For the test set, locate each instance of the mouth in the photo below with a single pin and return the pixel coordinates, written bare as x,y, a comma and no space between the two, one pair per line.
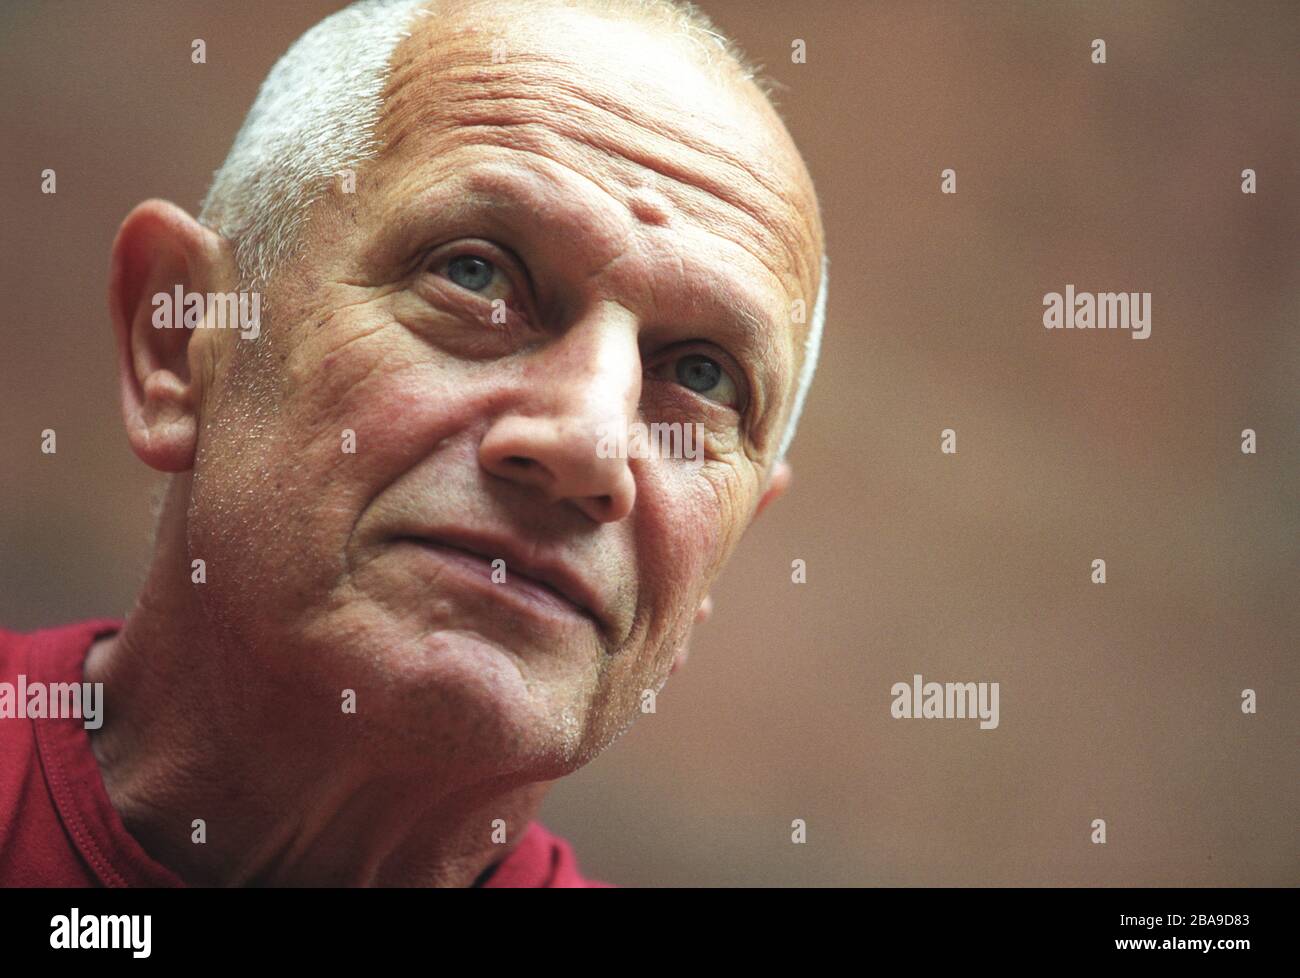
544,584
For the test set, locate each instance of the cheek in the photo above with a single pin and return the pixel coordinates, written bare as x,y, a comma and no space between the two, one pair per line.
291,452
384,392
688,522
694,518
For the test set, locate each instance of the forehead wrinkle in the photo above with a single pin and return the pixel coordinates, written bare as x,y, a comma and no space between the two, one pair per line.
470,95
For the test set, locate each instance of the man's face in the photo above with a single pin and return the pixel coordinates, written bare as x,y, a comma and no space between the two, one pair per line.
647,226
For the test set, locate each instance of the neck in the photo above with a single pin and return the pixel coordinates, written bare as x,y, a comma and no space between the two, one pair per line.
282,802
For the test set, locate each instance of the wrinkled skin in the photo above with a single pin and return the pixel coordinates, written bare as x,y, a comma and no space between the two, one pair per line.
636,207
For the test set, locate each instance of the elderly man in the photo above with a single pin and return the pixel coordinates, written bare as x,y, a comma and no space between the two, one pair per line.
397,587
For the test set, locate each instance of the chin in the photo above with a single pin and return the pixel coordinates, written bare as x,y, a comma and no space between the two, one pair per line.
457,700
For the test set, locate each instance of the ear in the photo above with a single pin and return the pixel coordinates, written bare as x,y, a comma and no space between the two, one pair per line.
777,484
157,248
679,660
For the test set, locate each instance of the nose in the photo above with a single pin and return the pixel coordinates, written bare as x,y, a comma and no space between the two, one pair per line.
573,392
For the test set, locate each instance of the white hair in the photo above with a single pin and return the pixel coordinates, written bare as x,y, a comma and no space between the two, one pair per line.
812,345
317,113
314,116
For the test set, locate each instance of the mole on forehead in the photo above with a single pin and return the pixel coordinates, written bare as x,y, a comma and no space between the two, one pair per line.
649,206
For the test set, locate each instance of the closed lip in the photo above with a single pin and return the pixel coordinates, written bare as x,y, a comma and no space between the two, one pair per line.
549,572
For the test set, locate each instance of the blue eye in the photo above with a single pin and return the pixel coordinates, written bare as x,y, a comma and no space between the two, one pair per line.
471,272
699,373
474,273
706,377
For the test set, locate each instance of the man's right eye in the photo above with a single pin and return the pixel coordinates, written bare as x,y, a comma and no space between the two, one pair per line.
476,274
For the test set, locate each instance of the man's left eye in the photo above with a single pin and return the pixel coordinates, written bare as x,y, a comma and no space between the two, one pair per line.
477,275
703,375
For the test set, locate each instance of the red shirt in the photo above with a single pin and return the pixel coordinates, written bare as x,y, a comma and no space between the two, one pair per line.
58,827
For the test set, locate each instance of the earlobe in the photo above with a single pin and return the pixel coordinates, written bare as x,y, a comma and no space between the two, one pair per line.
158,249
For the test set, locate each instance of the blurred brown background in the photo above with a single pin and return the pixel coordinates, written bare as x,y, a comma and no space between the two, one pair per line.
1119,701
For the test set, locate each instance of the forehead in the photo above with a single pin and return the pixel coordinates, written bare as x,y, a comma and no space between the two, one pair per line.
627,108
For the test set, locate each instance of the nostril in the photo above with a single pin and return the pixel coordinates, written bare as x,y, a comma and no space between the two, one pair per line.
600,508
518,461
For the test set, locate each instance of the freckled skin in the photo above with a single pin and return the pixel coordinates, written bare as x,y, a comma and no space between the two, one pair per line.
637,200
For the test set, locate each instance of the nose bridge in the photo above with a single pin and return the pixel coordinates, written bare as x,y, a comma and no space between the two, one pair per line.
573,390
592,374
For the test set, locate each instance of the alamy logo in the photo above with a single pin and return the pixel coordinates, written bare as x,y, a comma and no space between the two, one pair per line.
99,931
1105,310
656,440
946,701
209,310
54,701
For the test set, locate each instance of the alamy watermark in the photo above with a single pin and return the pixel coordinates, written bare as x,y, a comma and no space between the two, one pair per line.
946,701
1104,310
655,440
77,931
179,309
53,701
